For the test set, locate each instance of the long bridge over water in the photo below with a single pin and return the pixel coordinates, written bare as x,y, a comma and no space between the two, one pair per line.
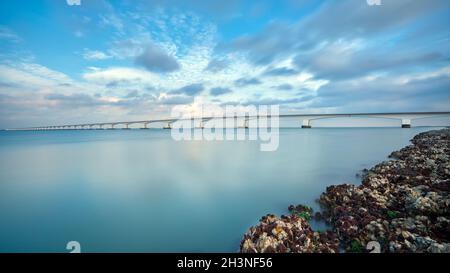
405,117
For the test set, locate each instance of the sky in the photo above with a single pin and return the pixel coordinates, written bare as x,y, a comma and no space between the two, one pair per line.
85,61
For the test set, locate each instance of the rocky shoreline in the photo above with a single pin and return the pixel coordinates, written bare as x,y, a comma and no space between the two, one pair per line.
402,205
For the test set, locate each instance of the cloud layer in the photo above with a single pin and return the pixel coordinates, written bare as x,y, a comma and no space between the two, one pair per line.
119,61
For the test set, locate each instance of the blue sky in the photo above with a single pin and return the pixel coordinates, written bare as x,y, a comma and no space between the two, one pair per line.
109,60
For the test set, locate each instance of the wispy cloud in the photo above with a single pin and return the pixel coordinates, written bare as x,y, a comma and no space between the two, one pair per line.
95,55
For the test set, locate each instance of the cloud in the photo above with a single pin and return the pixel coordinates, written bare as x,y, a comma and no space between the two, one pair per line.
263,48
247,81
374,27
284,86
190,90
409,92
157,60
117,75
112,20
95,55
216,91
31,76
216,65
347,59
272,101
280,71
132,94
219,10
6,34
74,100
177,99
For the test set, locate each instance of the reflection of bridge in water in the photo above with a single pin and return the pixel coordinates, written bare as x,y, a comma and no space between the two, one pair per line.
405,117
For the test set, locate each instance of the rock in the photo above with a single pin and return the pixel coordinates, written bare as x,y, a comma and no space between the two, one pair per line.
397,199
286,234
404,204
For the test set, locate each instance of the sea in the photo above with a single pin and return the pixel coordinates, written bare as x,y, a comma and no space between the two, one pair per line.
143,191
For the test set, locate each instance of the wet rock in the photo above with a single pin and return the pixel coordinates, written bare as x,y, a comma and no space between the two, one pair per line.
287,234
302,211
404,204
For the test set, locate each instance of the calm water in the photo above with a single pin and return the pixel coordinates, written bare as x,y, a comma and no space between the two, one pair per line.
139,190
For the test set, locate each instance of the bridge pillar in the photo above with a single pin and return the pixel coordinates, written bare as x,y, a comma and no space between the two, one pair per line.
245,125
126,127
306,123
406,123
145,126
201,125
112,127
168,126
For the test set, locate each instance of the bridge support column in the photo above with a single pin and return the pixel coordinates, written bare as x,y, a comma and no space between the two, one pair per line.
168,126
126,127
201,126
245,125
112,127
406,123
306,123
145,126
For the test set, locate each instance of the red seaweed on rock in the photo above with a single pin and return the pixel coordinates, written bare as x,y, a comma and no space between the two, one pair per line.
403,204
287,234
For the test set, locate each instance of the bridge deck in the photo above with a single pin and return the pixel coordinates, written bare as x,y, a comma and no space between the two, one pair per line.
395,115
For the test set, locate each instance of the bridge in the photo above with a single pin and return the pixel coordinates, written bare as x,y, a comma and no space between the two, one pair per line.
405,117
